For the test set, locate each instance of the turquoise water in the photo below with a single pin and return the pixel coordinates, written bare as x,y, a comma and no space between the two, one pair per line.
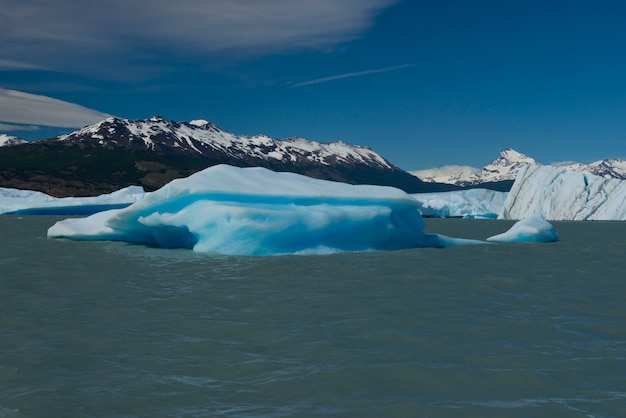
105,329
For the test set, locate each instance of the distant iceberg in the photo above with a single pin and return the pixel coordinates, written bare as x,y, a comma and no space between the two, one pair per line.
255,211
531,229
472,203
559,194
29,202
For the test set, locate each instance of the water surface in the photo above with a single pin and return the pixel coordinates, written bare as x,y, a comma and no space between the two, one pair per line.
108,329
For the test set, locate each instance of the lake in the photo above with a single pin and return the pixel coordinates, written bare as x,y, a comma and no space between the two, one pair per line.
110,329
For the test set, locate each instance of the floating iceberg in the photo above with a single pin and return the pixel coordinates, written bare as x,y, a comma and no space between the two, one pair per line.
472,203
29,202
255,211
559,194
531,229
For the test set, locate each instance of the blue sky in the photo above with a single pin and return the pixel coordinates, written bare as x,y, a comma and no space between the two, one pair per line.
424,83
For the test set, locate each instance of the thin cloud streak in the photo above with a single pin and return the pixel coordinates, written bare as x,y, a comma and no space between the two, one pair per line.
5,127
18,65
348,75
24,108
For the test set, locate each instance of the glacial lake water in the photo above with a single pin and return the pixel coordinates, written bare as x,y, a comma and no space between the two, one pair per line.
108,329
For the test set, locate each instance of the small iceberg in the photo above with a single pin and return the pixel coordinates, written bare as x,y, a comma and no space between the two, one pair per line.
531,229
28,202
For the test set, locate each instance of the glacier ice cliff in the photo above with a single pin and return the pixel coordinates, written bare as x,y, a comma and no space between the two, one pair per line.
255,211
472,203
559,194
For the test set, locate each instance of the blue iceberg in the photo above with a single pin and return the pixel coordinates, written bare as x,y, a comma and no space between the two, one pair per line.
531,229
255,211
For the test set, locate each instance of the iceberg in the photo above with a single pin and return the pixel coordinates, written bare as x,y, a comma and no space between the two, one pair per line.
29,202
559,194
531,229
471,203
255,211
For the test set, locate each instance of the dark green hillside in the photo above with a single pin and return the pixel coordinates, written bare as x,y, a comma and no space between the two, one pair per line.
83,168
72,170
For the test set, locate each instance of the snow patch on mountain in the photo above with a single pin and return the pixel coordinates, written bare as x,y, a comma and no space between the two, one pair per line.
199,122
449,174
7,140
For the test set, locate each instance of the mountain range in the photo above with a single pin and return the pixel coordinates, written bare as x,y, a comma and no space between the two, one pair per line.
116,153
503,170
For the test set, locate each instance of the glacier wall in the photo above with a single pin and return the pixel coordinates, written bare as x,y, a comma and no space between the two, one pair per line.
558,194
471,203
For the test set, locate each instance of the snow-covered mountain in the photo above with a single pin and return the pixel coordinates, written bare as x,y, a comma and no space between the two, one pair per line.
203,138
609,168
6,140
508,164
504,168
117,153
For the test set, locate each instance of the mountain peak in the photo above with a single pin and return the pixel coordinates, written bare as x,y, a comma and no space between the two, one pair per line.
514,156
7,140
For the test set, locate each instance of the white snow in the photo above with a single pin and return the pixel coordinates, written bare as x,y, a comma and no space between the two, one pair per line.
199,122
447,174
559,194
6,140
275,155
261,212
33,202
531,229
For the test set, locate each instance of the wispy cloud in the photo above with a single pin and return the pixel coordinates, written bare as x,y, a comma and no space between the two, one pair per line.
68,35
348,75
6,64
6,127
17,107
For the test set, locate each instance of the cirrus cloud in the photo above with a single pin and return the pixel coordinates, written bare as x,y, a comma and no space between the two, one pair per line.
66,34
